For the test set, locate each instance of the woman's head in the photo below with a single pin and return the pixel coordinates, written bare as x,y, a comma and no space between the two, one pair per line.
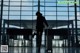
38,14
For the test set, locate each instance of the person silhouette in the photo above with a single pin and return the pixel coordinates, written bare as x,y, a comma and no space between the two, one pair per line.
40,25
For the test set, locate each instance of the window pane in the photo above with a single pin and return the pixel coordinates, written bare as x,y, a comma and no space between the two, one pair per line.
62,17
14,8
26,8
62,9
50,17
26,13
50,13
50,4
14,13
62,13
50,8
5,12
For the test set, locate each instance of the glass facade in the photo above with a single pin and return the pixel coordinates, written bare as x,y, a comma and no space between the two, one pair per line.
26,10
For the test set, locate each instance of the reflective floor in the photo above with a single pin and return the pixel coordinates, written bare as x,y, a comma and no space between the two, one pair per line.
33,50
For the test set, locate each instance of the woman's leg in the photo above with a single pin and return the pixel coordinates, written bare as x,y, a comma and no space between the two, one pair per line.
38,40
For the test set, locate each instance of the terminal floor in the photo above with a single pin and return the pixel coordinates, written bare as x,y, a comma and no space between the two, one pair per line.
33,50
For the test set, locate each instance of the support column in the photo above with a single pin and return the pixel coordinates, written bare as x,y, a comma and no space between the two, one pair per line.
76,32
72,37
38,5
3,35
69,36
1,19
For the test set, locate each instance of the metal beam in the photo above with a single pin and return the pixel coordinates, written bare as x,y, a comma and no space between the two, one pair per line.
3,35
1,19
1,16
38,5
72,37
76,32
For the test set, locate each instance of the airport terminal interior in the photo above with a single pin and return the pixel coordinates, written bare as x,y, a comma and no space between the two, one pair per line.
18,24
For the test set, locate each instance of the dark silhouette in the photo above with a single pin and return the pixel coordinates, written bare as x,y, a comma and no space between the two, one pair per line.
40,24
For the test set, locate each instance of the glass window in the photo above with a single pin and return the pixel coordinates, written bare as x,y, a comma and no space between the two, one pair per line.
50,13
5,12
14,17
6,0
34,13
62,9
71,8
41,4
5,8
0,2
50,8
50,17
42,8
26,8
27,4
5,17
14,8
50,4
15,3
6,3
14,13
34,17
35,4
78,23
61,4
78,8
71,13
26,13
50,0
71,17
62,17
26,17
62,13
